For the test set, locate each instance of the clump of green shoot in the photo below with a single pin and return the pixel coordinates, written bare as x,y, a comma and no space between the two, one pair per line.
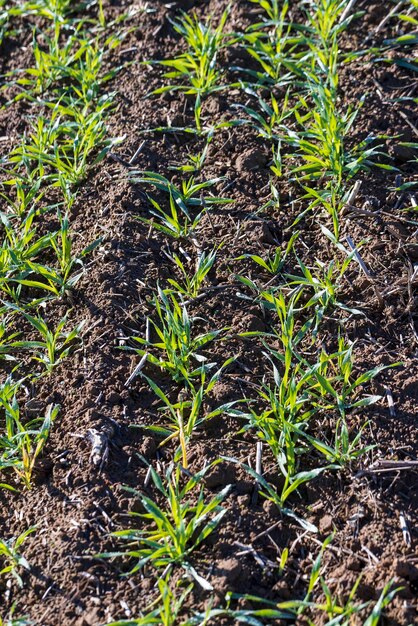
22,440
165,610
177,345
172,531
192,283
184,416
196,71
178,220
276,45
54,345
11,559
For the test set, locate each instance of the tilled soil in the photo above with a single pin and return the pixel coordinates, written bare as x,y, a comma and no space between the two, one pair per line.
76,504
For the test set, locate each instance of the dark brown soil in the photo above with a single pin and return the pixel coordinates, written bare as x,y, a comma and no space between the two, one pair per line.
74,504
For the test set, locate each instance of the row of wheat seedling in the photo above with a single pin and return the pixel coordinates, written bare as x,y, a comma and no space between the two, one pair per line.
40,180
65,86
308,385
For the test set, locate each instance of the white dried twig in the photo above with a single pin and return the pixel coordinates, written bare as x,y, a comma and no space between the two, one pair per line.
405,531
137,369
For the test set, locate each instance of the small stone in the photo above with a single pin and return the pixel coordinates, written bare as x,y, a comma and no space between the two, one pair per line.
244,487
325,524
259,231
230,568
220,475
113,398
407,570
355,565
251,159
282,589
243,502
136,506
271,509
366,592
254,324
403,153
148,447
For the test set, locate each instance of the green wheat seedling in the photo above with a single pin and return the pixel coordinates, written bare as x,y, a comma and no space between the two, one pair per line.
300,391
196,71
65,278
277,45
51,65
274,262
277,613
324,17
173,222
333,611
339,388
19,259
331,199
54,10
165,611
269,120
336,378
10,620
58,150
289,329
196,161
55,344
8,338
322,141
325,283
337,611
346,446
4,19
273,9
324,29
23,440
178,221
385,598
288,404
409,15
177,343
184,417
263,609
189,195
20,247
70,70
27,196
11,560
172,531
192,283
